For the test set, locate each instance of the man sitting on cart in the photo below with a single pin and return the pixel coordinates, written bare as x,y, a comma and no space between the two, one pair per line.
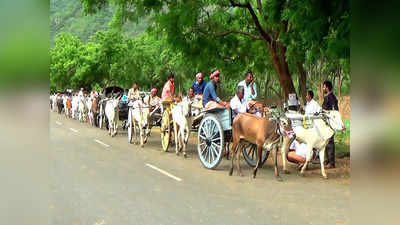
239,104
199,84
155,106
168,89
210,97
134,93
124,97
196,103
154,99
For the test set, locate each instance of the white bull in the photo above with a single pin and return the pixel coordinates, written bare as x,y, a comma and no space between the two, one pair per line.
316,137
140,117
89,110
182,120
65,99
53,102
112,114
82,109
74,107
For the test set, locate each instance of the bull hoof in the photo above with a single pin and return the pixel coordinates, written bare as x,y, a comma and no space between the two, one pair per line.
240,174
325,177
142,146
230,172
302,174
278,178
286,171
177,153
184,155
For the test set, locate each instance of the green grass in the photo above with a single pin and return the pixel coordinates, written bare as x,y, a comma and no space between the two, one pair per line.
342,141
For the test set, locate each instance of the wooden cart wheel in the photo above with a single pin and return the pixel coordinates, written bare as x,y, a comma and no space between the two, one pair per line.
129,126
210,145
250,154
165,130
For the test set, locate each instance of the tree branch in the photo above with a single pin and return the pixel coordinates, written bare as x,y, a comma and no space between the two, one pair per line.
253,36
264,34
259,8
238,4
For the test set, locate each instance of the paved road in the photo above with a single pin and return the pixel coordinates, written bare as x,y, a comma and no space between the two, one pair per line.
96,179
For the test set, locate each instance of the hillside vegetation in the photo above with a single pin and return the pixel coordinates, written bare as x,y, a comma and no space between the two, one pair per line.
67,16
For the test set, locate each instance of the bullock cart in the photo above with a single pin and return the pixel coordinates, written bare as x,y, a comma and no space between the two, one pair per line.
166,125
108,93
154,116
215,133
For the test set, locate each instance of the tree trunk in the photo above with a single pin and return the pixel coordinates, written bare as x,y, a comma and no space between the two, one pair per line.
302,81
282,69
320,93
339,82
266,90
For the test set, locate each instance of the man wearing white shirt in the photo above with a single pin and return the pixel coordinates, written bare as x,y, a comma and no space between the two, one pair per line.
238,103
311,106
250,88
80,94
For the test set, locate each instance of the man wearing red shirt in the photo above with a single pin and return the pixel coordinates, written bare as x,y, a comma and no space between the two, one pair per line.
168,89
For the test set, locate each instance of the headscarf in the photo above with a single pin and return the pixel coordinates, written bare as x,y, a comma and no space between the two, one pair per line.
215,73
199,75
154,90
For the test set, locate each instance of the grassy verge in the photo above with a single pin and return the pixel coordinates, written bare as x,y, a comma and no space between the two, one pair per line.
342,141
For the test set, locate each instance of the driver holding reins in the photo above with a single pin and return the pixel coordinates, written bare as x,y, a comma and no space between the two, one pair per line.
133,93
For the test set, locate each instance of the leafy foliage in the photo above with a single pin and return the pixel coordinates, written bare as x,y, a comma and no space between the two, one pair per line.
219,33
186,37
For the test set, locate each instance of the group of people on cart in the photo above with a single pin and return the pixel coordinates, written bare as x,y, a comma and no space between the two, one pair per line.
203,94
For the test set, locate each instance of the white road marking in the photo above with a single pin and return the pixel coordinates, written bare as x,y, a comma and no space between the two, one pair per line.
164,172
102,143
59,123
72,129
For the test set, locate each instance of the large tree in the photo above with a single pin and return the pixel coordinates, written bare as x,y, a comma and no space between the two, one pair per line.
190,24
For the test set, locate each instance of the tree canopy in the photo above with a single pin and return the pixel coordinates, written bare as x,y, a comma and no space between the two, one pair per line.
287,44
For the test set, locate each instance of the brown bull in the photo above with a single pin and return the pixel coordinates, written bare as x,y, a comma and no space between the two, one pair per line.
260,131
